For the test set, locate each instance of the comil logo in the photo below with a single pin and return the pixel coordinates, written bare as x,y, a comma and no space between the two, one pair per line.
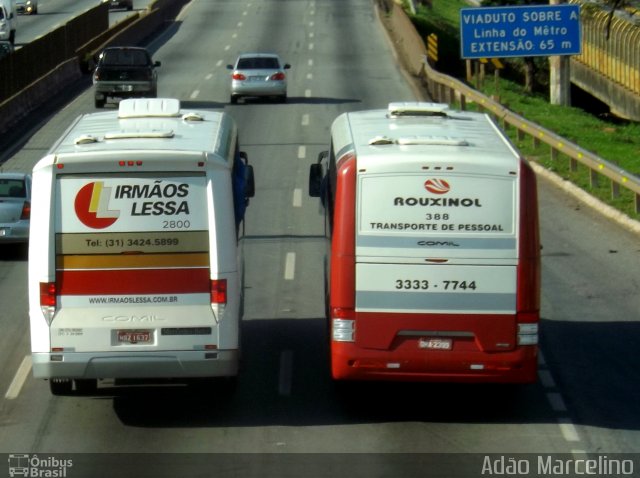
437,186
92,206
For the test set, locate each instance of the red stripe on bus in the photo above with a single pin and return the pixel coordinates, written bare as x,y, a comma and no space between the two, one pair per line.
140,281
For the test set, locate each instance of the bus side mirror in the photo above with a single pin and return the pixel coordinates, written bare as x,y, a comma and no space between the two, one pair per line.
250,185
316,175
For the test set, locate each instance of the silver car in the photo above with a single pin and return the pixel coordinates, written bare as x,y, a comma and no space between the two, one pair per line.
258,75
15,207
28,7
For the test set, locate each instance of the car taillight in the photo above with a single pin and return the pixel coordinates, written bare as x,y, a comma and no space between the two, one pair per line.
278,76
239,77
26,210
219,291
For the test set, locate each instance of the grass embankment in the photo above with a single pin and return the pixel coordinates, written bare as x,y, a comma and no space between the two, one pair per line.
617,142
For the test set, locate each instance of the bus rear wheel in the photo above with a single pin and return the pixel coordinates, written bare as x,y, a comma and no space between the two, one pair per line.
61,386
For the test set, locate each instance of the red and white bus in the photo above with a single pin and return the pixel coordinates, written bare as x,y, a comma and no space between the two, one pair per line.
433,270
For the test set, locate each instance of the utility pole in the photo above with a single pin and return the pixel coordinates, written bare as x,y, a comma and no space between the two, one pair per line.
559,75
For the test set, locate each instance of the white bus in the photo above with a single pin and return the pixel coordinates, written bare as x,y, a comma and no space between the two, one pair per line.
134,258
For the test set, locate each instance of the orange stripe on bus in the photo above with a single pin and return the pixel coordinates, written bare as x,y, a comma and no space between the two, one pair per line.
134,282
131,261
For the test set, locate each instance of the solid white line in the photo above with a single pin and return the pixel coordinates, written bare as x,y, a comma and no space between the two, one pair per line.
305,120
290,266
568,430
302,152
286,369
297,197
18,380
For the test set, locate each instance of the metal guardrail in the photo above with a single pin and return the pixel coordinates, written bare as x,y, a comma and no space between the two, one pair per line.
447,89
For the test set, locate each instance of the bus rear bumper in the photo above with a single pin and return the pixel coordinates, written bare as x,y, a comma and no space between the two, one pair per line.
159,364
352,363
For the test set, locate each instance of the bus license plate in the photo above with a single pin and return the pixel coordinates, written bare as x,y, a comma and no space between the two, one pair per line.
134,336
436,344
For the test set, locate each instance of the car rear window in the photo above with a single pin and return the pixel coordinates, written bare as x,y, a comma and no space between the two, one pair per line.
12,188
125,57
258,63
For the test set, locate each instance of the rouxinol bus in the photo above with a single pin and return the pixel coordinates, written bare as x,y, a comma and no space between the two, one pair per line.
433,272
134,257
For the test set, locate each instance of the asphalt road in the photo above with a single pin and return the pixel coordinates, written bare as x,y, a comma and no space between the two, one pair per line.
285,409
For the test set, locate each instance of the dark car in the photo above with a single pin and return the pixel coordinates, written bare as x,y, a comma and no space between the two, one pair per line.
125,72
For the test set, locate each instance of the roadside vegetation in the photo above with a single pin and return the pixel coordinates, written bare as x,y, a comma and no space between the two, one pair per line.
613,139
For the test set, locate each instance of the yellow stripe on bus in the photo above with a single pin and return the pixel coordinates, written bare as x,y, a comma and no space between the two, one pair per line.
95,196
132,261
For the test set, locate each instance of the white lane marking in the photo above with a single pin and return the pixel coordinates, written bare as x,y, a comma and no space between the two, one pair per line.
556,402
18,380
239,24
194,95
546,379
286,369
307,93
302,152
568,430
297,197
310,62
541,361
309,76
219,63
305,120
290,266
209,76
310,46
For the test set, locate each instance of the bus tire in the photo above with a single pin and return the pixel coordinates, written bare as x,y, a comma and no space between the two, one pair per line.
61,386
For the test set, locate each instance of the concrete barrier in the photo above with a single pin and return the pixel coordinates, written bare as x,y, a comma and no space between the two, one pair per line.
129,32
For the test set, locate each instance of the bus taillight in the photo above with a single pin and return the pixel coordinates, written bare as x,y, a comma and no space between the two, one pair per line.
219,291
48,301
343,325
